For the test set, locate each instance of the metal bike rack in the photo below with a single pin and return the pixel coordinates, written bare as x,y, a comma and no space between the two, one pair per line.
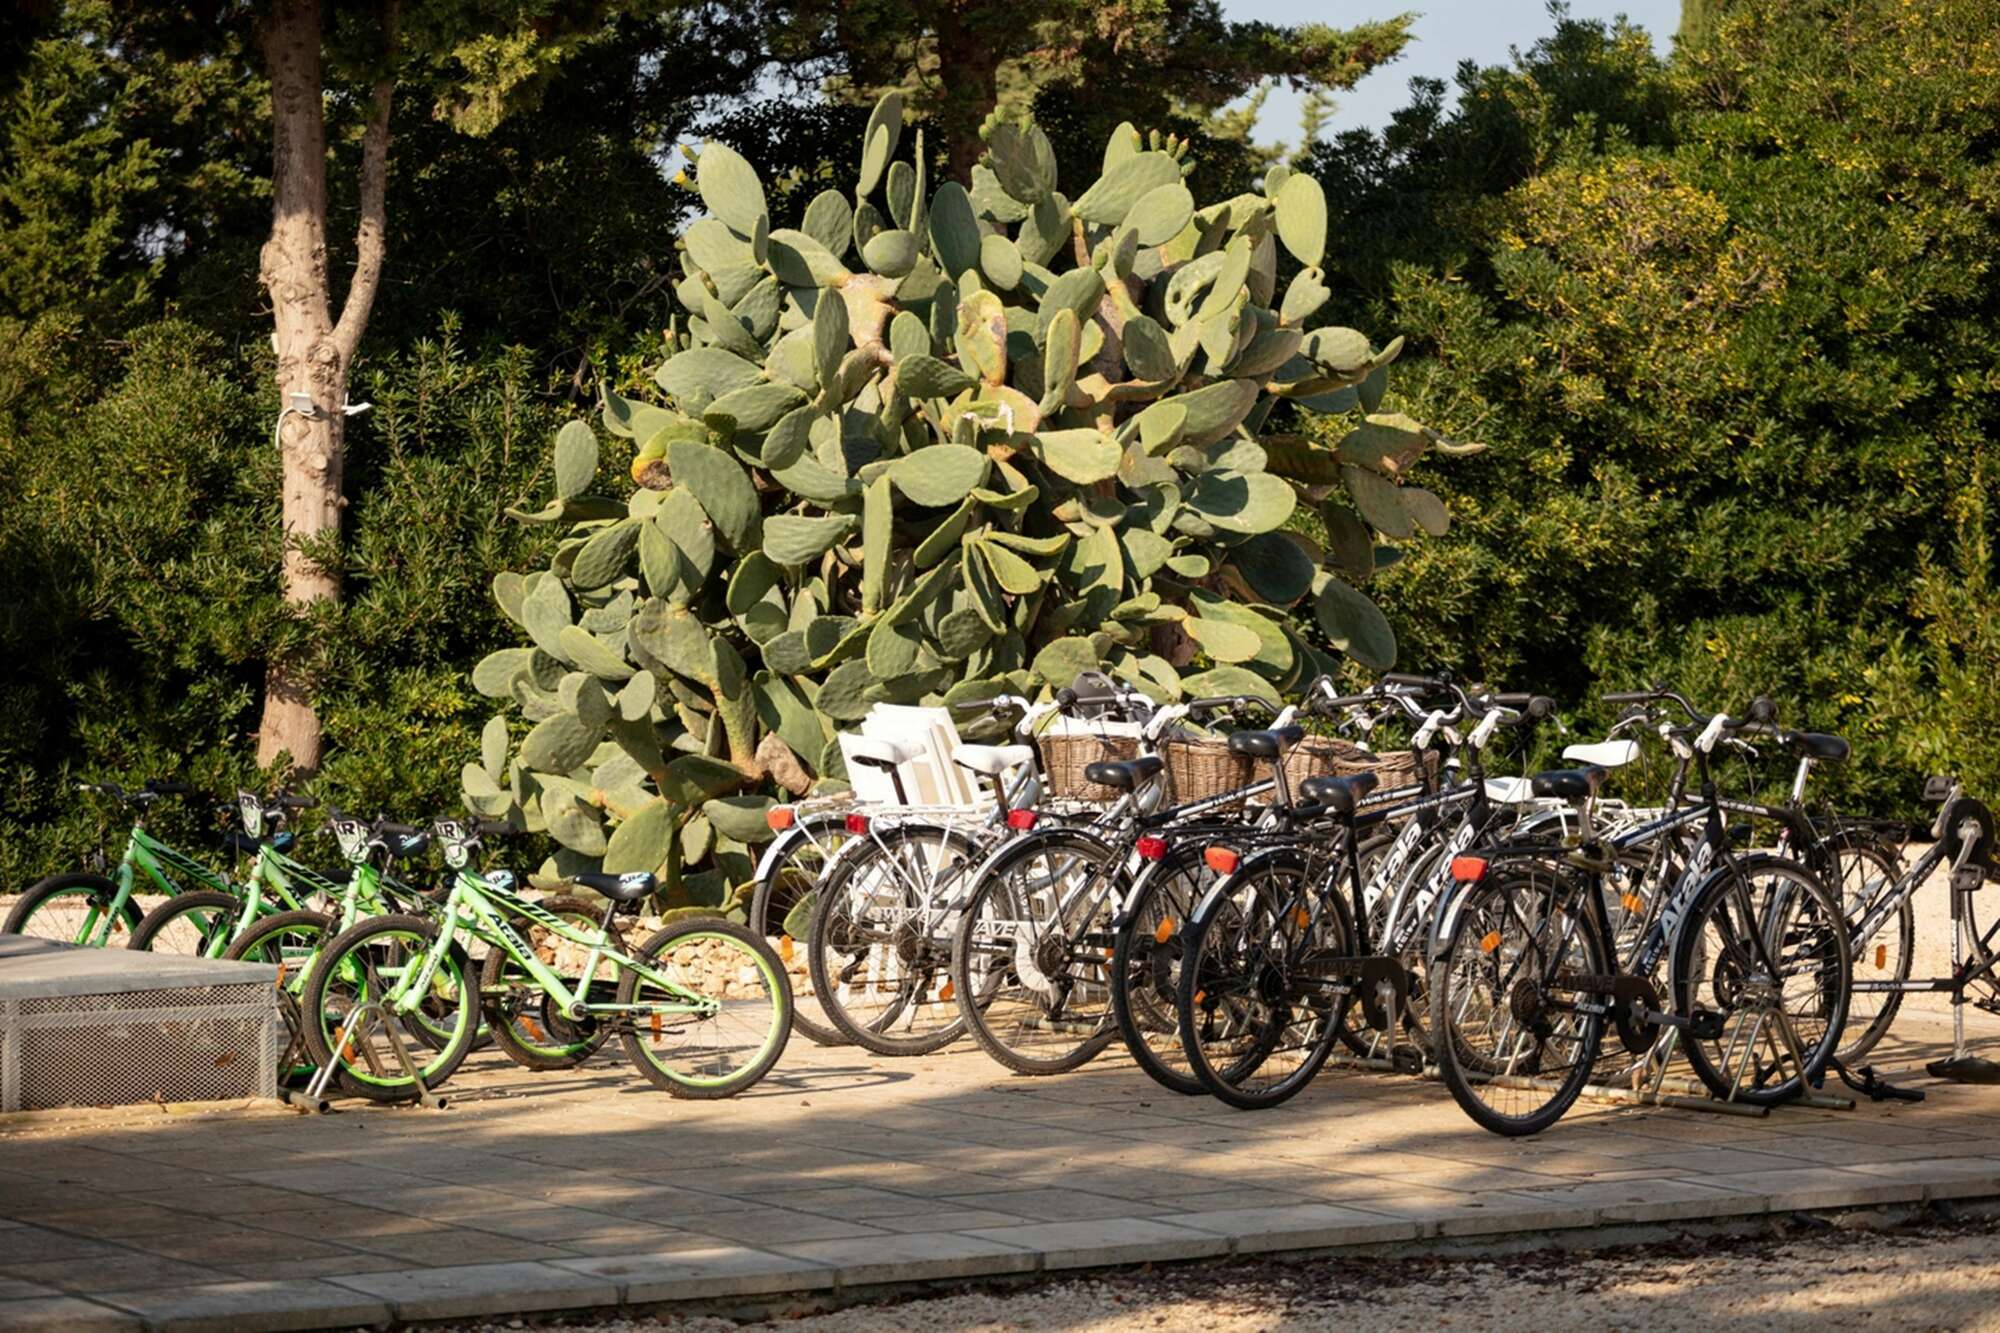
315,1094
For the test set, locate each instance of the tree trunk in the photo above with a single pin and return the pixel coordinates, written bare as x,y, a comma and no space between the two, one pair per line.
969,73
314,353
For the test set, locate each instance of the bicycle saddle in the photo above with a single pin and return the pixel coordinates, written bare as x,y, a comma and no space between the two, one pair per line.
624,888
1123,774
1604,754
1814,744
1569,784
1265,744
1517,791
1339,795
992,760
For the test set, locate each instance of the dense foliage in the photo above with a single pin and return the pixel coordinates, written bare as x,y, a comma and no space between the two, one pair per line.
1731,325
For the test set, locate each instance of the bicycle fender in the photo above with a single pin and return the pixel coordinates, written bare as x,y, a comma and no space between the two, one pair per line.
1225,886
784,844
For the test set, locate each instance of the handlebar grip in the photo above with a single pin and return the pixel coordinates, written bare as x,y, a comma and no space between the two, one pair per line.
159,788
1541,706
289,802
1512,699
1630,697
1222,701
398,830
1762,709
1405,678
493,828
1065,697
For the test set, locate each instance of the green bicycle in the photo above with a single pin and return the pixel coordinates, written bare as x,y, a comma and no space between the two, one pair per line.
703,1007
203,922
97,910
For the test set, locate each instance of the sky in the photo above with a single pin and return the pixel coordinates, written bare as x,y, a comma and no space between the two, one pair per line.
1447,32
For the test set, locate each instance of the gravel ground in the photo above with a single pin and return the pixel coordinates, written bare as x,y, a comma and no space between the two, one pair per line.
1863,1269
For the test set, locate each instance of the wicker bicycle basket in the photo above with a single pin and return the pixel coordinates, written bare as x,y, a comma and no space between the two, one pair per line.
1201,767
1064,754
1329,756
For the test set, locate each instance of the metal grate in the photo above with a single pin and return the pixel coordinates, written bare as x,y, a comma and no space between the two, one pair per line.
189,1043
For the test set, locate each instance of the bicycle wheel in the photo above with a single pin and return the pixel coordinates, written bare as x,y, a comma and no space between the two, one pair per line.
880,944
781,912
1513,1045
1776,1030
1030,962
73,909
362,966
1258,1015
1864,872
525,1020
1146,965
722,1052
191,925
291,942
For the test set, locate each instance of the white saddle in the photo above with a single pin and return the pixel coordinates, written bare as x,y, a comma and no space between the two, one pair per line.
880,751
1510,791
992,760
1604,754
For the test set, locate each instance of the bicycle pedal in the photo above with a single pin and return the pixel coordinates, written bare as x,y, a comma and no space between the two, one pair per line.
1406,1060
1705,1025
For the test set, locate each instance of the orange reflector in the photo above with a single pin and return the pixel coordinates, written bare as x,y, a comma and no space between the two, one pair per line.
857,824
1200,995
1491,942
1881,955
1468,868
945,991
780,817
1151,847
528,1026
1221,860
1165,930
1021,819
1302,918
785,947
1633,903
655,1020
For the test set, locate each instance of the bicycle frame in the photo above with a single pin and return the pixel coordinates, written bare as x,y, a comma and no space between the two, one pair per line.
480,907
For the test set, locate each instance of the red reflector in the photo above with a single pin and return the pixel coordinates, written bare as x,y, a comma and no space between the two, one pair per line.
780,818
1021,819
1468,869
857,824
1151,847
1221,860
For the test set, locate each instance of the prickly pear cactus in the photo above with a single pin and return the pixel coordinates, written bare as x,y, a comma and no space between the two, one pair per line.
933,442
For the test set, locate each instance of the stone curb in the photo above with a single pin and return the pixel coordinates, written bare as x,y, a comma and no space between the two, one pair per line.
728,1271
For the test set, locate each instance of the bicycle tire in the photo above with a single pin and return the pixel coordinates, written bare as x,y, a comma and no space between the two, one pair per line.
1219,966
833,933
214,914
778,1028
977,1000
1145,966
319,1026
37,898
1484,918
1879,959
785,882
1724,964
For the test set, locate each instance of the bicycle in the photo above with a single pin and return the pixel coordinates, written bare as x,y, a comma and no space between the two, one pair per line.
1525,978
86,907
203,922
702,1007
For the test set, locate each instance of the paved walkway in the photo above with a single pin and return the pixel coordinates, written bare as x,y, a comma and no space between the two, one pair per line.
589,1189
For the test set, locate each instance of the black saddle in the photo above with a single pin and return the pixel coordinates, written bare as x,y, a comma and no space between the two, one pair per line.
1814,745
1123,774
1568,784
626,888
1340,795
1265,744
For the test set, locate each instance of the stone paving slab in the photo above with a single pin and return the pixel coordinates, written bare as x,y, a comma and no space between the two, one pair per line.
587,1189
